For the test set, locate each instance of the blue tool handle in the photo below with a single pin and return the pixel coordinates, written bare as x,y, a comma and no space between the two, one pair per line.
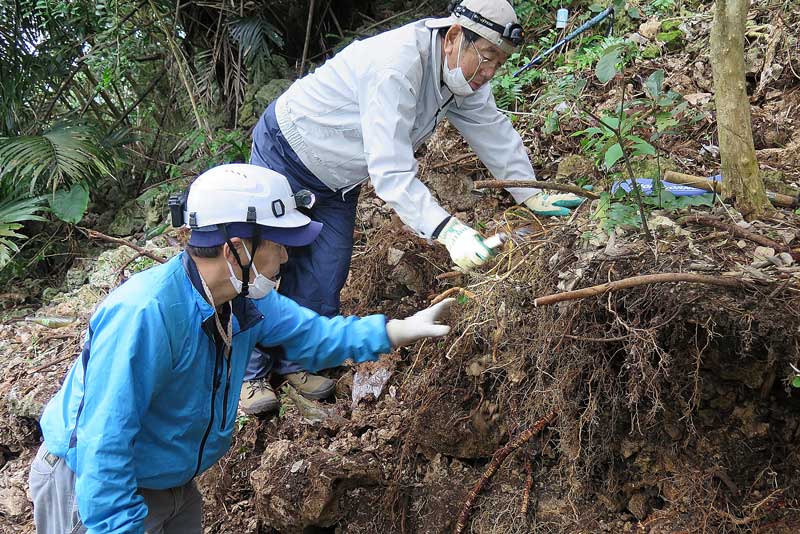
594,21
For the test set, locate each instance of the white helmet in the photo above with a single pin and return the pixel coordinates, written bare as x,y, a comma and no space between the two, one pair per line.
241,200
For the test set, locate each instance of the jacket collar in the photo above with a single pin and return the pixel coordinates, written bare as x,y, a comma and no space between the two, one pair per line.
245,311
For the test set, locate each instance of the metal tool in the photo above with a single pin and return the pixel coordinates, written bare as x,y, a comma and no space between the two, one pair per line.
594,21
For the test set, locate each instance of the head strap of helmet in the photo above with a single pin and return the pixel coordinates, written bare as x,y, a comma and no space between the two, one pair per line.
255,240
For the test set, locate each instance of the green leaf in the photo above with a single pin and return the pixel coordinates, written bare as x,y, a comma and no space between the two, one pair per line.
644,148
62,155
654,83
70,205
796,382
634,13
613,154
607,65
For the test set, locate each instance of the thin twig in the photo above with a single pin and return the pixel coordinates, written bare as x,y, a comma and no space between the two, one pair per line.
396,15
94,234
635,281
443,164
502,184
497,460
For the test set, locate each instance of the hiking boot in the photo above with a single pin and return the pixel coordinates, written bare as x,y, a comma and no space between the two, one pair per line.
258,397
311,386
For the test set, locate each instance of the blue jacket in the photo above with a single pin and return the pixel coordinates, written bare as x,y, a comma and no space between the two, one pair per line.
151,402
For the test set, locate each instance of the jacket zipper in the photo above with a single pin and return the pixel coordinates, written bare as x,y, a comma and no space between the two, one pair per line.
214,388
225,398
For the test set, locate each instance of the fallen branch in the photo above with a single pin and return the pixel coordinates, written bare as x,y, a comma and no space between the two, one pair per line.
737,231
497,460
94,234
637,281
502,184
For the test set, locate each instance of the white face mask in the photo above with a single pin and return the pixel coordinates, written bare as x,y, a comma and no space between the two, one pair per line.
454,79
259,287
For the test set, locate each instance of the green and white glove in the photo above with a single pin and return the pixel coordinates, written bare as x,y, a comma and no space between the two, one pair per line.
557,205
464,244
420,325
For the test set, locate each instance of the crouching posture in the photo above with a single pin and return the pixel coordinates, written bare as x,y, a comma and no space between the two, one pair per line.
151,401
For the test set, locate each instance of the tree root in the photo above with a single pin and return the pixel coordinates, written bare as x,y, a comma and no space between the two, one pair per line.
450,292
637,281
497,460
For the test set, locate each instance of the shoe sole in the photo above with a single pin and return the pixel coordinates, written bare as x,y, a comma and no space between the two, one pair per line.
321,395
261,408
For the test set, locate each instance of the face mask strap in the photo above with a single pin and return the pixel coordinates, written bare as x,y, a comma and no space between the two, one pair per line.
461,47
245,268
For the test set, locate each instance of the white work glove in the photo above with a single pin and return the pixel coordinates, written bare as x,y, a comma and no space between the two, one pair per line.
553,205
464,244
420,325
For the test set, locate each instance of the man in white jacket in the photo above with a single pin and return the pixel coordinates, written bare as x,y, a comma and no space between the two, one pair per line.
359,117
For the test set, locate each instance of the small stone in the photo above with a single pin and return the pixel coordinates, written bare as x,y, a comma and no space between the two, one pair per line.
297,466
638,506
763,254
741,244
13,501
394,256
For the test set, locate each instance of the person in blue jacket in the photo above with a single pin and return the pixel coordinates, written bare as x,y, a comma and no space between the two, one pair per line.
151,401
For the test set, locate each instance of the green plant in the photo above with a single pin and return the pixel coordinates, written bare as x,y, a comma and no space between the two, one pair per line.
64,155
660,7
13,213
242,421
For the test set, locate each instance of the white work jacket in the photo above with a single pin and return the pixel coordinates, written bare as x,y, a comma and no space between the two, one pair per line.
363,113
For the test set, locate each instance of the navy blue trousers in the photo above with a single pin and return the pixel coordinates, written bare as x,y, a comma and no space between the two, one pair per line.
315,274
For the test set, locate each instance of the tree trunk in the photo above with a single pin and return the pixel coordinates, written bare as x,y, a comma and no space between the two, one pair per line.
741,177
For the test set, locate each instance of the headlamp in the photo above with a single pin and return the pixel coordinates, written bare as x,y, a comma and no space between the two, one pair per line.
304,199
512,31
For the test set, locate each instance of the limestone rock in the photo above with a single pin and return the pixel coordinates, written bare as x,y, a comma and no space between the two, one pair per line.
309,497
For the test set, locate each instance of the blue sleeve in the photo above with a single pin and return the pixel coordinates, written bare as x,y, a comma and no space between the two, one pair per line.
317,342
129,360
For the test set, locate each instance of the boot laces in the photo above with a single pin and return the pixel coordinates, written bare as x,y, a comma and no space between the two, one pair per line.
259,385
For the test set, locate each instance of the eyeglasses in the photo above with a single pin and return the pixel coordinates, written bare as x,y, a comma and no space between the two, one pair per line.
493,63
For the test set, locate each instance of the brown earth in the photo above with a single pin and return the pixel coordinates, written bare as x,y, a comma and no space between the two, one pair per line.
674,409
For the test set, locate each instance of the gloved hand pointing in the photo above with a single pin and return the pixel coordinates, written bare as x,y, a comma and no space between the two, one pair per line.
420,325
464,244
556,205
